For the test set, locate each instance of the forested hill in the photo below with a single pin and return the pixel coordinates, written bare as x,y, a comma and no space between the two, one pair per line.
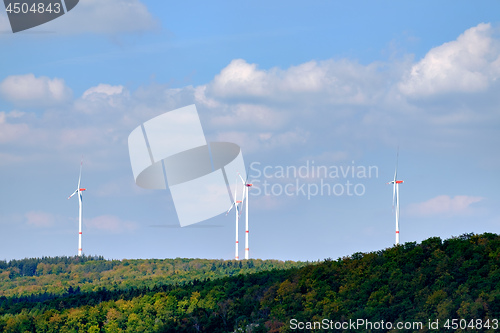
457,278
87,273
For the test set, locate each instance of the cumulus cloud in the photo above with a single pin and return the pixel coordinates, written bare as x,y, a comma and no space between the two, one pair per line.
444,205
310,105
110,223
108,17
337,82
275,108
100,119
469,64
102,90
39,219
103,98
11,132
28,90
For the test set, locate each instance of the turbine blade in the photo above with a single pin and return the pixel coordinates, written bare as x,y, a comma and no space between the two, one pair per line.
397,161
394,182
80,176
230,208
73,193
242,180
393,195
235,192
243,197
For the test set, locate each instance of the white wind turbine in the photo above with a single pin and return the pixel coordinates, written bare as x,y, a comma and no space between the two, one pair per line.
235,204
79,191
245,196
395,197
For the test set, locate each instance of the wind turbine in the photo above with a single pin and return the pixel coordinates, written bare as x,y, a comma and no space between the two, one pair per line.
395,196
79,191
235,204
245,194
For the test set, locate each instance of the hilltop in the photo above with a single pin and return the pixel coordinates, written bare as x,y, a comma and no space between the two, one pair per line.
57,275
435,281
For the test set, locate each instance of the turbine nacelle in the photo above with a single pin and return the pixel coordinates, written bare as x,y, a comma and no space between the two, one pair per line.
76,191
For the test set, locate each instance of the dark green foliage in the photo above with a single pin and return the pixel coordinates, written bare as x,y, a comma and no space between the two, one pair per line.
456,278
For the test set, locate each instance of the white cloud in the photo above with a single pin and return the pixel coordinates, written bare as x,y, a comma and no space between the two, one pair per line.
313,107
238,79
39,219
108,17
278,108
102,90
11,132
28,90
110,223
469,64
103,98
335,82
444,205
201,97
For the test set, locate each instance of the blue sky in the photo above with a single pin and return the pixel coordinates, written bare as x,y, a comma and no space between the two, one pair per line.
294,83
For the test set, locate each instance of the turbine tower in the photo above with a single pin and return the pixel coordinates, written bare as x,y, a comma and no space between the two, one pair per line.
79,191
245,195
395,197
235,204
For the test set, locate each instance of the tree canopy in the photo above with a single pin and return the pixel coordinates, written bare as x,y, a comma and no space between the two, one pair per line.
457,278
